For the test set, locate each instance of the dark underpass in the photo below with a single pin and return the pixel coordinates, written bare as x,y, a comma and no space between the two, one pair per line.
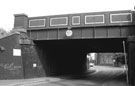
68,57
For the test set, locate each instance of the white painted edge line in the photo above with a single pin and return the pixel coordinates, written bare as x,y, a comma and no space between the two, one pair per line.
59,24
73,20
120,14
37,20
94,22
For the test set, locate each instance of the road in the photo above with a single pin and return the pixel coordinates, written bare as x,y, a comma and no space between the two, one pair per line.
103,76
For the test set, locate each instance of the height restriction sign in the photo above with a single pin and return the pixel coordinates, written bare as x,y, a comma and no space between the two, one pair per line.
69,33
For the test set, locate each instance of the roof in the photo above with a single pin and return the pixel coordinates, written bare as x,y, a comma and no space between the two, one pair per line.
9,34
13,32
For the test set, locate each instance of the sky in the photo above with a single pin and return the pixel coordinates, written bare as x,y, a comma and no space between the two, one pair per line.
55,7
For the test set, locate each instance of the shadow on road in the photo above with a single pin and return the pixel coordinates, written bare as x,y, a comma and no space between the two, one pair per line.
101,74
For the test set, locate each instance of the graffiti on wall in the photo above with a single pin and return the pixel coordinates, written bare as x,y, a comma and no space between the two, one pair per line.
10,66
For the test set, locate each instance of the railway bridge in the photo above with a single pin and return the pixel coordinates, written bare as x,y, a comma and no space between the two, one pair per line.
62,41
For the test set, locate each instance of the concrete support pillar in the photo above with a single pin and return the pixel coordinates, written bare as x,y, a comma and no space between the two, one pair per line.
131,60
20,21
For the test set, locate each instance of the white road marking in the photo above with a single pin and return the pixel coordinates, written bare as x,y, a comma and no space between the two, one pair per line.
36,83
31,83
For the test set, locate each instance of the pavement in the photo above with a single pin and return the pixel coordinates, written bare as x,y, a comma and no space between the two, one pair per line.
27,82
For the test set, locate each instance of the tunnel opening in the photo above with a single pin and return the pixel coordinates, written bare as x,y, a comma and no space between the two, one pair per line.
108,67
69,56
61,57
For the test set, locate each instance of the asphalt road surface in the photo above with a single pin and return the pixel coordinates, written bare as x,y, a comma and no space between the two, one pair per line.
103,76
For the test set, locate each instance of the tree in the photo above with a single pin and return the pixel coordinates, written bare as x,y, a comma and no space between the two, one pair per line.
119,59
2,32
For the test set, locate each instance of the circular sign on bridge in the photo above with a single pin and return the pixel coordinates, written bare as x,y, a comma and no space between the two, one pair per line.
69,33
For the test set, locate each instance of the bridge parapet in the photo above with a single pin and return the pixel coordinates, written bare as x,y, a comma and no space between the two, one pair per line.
84,25
114,18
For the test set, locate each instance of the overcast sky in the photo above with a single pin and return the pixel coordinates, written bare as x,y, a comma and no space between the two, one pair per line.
53,7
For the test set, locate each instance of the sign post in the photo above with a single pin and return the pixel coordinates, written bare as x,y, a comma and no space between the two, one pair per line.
125,55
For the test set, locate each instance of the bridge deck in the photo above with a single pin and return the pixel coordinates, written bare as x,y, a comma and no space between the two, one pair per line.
82,33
